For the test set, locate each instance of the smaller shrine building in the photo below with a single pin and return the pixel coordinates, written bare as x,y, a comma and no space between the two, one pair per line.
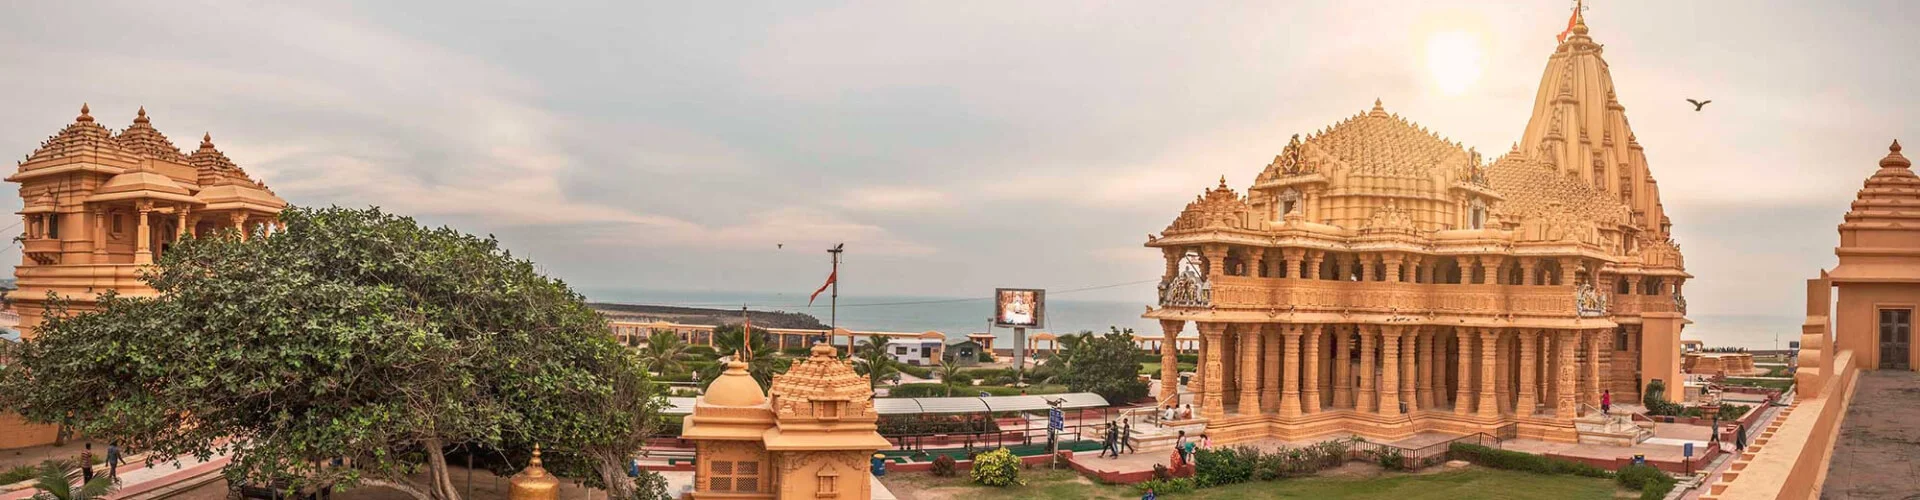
808,436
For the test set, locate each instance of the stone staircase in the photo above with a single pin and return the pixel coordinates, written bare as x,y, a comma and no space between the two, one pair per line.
1618,429
1149,434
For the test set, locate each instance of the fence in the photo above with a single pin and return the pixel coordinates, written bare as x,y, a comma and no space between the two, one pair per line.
1405,458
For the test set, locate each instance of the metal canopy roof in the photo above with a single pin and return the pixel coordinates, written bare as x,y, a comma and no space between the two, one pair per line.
912,406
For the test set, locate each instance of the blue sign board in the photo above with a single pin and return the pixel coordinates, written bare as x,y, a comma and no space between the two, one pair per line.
1056,420
1688,450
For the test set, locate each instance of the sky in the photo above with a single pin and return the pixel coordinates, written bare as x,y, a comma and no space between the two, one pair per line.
953,146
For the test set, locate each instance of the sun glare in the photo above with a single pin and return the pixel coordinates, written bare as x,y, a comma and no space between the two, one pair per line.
1455,59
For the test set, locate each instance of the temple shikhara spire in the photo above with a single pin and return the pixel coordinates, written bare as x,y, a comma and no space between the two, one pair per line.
1387,279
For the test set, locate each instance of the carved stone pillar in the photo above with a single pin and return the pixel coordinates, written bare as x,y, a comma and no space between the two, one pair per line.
1567,267
99,234
1310,388
1429,367
1270,369
1390,370
1416,264
1566,406
1216,260
1498,269
1314,258
1342,266
1489,405
1408,378
180,218
239,223
1170,361
1213,406
1342,365
1526,270
1528,401
142,247
1292,256
1367,400
1503,374
1249,368
1592,366
1290,391
1393,261
1463,386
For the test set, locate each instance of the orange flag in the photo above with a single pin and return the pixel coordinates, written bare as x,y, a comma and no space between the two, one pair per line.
823,287
1570,21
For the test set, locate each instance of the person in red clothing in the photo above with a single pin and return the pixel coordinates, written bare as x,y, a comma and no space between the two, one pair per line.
1606,402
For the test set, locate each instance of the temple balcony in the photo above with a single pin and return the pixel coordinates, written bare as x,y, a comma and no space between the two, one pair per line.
1311,295
42,250
1636,304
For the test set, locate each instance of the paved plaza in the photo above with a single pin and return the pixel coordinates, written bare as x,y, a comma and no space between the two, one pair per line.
1879,443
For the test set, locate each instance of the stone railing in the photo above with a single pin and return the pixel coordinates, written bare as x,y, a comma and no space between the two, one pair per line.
1634,304
1239,292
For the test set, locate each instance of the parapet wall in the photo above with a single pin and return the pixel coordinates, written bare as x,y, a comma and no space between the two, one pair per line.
1789,459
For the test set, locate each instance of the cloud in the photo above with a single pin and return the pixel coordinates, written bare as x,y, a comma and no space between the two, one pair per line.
892,199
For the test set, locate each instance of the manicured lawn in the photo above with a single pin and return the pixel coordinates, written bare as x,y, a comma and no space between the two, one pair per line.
1153,369
1760,382
1471,483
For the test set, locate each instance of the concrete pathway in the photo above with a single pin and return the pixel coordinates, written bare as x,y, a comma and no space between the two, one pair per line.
140,479
1720,464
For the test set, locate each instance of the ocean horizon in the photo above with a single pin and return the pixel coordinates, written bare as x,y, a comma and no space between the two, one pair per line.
958,316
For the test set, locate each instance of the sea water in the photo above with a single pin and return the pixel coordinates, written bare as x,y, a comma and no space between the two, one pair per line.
959,316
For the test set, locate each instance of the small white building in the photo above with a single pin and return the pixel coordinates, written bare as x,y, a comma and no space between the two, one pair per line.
915,351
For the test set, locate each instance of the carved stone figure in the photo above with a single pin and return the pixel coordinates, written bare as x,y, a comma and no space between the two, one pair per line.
1188,287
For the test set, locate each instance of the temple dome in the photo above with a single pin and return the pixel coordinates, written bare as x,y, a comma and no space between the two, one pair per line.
1372,142
735,387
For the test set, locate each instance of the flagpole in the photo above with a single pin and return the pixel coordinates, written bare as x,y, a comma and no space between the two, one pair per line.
833,301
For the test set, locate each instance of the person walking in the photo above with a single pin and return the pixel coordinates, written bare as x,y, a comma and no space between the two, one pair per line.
86,464
1126,436
1740,438
1606,402
1106,439
1181,446
1113,440
114,460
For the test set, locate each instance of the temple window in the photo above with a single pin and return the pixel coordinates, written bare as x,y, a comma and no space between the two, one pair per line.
1477,216
1289,199
826,409
724,476
53,226
829,483
1622,286
1620,338
116,224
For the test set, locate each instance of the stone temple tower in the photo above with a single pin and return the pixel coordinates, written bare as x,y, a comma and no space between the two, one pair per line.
808,437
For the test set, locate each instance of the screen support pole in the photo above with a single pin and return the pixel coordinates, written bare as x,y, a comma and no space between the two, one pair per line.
1020,355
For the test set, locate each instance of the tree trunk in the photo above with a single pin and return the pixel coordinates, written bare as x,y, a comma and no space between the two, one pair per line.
613,473
400,486
439,479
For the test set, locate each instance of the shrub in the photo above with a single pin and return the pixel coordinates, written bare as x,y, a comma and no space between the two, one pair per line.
1526,462
1730,411
1225,465
1187,358
984,357
1174,486
1652,483
1390,458
917,371
996,468
920,390
702,352
943,466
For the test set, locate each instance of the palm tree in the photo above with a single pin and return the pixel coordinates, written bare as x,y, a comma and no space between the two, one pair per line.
762,362
1060,363
53,483
950,376
871,360
663,352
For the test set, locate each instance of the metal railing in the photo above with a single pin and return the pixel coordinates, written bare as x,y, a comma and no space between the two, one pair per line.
1421,457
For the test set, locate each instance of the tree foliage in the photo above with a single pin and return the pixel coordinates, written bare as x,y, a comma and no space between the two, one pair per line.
352,336
1100,364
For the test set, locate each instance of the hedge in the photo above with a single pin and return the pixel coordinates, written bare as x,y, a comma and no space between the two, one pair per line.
1652,483
1525,462
917,371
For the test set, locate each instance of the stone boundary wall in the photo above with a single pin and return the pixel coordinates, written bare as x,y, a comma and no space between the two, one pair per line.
1789,459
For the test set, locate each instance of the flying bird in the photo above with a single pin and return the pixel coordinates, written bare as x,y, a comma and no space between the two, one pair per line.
1699,104
779,245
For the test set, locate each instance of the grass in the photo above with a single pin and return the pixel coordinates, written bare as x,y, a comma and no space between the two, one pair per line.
1153,369
1760,382
1470,483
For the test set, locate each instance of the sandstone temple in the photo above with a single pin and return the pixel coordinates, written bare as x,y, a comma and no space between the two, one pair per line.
1380,279
808,436
99,204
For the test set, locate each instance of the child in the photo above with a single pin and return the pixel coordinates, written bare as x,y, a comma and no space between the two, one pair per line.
1606,402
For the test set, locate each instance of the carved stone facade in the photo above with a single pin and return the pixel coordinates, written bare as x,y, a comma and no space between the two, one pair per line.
98,204
809,436
1401,269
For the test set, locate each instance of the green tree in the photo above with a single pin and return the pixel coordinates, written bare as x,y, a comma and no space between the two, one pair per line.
871,360
1102,364
951,376
55,482
353,335
664,353
763,361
